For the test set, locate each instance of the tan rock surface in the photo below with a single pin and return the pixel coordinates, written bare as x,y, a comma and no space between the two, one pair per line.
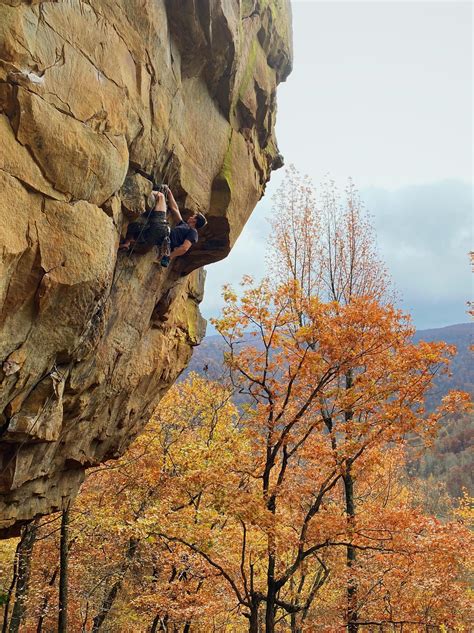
97,98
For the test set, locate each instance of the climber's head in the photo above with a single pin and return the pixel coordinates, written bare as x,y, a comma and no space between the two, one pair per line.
197,221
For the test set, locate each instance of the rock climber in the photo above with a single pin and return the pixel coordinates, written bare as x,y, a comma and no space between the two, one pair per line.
182,236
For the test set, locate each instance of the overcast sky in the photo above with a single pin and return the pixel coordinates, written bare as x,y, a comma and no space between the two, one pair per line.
382,92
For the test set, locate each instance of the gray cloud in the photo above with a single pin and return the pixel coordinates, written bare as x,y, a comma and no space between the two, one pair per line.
424,233
424,236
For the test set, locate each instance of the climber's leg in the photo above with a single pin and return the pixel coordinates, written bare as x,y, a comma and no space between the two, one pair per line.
158,228
160,201
125,245
134,230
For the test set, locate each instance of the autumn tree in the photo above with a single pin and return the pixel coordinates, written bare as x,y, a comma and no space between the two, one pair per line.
326,244
324,239
20,580
305,442
332,359
142,575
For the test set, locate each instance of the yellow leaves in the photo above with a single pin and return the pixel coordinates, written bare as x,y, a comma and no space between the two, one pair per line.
465,511
457,402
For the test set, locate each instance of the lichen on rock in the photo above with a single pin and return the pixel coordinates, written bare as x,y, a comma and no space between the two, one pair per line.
97,100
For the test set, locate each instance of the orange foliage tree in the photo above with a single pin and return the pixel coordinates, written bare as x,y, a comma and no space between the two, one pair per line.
326,244
310,427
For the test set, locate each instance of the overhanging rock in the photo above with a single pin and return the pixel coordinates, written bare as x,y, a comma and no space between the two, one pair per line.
95,98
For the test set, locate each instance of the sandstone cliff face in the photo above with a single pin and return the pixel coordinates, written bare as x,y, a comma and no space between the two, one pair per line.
96,96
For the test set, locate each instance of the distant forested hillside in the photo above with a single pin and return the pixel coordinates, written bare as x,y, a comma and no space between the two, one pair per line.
450,461
462,366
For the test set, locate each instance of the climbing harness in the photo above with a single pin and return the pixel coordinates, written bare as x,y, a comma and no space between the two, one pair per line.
152,229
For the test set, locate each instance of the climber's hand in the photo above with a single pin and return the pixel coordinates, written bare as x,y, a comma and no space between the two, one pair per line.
160,202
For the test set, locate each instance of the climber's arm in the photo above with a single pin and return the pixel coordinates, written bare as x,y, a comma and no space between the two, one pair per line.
174,210
181,250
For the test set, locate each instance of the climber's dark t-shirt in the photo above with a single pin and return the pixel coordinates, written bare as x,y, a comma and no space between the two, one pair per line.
182,232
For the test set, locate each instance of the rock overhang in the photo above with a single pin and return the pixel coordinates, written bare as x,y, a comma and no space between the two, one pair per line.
97,99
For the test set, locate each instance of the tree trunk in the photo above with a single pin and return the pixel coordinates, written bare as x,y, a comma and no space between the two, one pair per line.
113,591
271,592
25,550
161,622
86,617
154,624
11,589
253,619
294,626
270,610
44,606
271,589
63,571
352,615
